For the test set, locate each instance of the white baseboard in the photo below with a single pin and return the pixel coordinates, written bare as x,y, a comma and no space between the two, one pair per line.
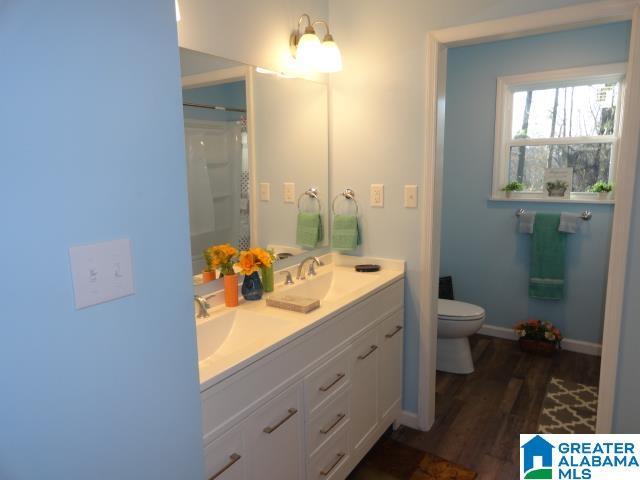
569,344
408,419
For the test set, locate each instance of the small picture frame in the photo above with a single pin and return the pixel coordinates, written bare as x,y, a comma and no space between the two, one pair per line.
558,182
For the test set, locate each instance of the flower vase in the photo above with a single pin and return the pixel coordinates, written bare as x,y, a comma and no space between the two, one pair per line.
267,278
208,276
231,290
252,287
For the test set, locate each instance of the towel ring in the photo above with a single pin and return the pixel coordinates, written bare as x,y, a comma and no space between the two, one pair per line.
349,195
311,193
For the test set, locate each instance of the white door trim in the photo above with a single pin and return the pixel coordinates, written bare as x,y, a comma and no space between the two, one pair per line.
540,22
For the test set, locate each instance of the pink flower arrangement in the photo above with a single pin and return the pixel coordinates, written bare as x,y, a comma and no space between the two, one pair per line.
538,330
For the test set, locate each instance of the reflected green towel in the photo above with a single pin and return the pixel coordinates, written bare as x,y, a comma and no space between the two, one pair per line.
546,277
309,231
345,234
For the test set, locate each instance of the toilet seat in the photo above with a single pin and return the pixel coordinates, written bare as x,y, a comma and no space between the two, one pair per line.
459,311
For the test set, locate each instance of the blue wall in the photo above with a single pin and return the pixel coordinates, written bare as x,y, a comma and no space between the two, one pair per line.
92,148
228,95
480,247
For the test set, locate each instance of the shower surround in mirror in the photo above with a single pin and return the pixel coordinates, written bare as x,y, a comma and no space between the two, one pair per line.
244,128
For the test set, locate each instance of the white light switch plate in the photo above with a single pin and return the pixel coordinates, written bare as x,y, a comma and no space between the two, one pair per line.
101,272
411,196
377,195
289,192
265,192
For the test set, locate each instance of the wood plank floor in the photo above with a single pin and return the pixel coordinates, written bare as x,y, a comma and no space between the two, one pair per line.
479,416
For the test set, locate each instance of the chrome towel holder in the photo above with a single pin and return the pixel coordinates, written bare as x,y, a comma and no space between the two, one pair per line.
349,195
586,215
312,193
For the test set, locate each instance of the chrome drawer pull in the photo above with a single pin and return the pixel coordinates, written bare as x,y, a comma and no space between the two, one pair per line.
327,471
398,328
339,418
234,457
292,412
339,377
371,350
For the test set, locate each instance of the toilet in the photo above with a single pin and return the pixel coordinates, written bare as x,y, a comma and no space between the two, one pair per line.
457,321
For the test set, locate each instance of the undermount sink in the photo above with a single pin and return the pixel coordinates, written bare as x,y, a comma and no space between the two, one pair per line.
333,285
235,330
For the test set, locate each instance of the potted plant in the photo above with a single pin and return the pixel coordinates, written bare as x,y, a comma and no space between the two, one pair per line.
535,336
603,189
557,188
209,273
223,256
250,262
511,187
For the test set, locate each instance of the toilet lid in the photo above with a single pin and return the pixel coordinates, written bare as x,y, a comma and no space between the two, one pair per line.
454,310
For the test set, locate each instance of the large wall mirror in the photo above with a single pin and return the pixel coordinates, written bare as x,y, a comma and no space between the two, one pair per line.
257,158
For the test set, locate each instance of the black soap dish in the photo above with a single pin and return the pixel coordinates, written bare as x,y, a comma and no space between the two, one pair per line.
367,267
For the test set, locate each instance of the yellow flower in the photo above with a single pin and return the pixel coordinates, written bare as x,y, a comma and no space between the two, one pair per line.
262,255
247,263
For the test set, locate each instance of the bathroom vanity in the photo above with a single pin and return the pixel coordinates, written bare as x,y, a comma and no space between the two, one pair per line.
288,395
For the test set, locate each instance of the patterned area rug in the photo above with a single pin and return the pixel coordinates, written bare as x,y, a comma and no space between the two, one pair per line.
568,407
391,460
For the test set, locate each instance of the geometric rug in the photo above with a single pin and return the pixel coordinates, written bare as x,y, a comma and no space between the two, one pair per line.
568,407
391,460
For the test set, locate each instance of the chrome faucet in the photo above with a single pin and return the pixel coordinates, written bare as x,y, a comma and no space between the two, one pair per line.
312,271
202,306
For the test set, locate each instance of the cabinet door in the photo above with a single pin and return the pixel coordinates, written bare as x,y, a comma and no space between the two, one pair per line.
275,438
390,339
364,368
225,457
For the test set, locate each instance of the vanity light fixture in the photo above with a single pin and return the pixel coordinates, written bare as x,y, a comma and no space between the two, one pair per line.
310,53
177,11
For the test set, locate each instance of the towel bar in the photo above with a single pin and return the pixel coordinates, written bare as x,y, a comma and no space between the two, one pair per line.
311,193
349,195
586,215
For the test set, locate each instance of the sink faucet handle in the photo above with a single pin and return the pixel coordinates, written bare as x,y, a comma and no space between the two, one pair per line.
289,279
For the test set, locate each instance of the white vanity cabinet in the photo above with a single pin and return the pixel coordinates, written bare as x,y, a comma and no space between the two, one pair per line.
312,408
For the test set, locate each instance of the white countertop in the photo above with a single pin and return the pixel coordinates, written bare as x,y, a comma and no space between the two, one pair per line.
230,339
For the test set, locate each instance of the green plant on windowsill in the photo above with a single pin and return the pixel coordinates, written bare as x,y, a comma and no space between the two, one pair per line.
557,188
601,187
512,187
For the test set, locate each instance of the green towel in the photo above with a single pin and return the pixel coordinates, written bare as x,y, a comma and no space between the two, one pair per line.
345,234
309,231
546,278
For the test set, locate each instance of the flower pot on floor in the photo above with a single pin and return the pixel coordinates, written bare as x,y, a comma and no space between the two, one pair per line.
538,347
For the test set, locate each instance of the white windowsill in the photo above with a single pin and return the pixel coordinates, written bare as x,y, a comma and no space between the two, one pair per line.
535,198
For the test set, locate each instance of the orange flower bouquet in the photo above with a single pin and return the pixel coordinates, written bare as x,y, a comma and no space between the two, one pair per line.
249,263
223,257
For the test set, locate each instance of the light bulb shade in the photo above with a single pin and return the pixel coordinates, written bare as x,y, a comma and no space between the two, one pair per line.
308,50
330,57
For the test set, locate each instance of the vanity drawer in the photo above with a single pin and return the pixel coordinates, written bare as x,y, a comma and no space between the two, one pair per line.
233,398
326,382
329,421
275,437
224,458
331,460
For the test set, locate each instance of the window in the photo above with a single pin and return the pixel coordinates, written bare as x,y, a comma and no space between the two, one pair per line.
558,119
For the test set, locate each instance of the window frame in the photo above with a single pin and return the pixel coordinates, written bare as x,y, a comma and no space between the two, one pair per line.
510,84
